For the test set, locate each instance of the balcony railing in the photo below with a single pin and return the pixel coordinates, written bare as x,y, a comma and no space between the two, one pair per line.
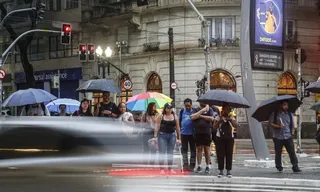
221,43
291,41
150,47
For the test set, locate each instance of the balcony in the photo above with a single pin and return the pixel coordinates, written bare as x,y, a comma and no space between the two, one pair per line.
96,9
220,43
291,41
151,47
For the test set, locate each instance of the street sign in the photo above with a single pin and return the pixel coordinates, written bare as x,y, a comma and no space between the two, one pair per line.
267,60
127,84
2,74
174,86
56,82
303,56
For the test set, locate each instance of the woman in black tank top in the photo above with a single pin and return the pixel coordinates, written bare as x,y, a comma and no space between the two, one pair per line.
168,133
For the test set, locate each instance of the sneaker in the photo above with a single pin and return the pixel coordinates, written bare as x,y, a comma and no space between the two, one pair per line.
229,175
207,170
220,175
199,169
296,170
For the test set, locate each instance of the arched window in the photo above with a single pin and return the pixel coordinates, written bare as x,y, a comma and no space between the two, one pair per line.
125,95
287,84
222,80
154,83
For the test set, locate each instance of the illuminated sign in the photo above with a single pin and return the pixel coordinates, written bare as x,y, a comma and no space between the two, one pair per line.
269,23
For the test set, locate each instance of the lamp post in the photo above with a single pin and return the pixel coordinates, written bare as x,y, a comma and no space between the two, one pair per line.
103,64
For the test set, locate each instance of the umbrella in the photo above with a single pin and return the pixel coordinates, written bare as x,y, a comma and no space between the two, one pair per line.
316,107
99,85
314,87
71,105
141,101
28,97
218,97
271,105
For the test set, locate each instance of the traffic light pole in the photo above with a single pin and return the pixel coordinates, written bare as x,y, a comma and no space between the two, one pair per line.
5,54
15,11
300,97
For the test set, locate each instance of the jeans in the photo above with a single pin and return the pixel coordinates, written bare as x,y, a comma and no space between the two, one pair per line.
166,142
186,141
224,151
146,149
289,145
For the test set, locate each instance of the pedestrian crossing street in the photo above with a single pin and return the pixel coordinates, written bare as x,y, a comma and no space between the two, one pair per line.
210,183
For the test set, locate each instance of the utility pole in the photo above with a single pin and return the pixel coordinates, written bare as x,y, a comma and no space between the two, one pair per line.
256,131
300,97
206,38
59,84
171,65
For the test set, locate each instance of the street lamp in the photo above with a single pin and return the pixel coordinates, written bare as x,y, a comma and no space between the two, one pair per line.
99,51
108,52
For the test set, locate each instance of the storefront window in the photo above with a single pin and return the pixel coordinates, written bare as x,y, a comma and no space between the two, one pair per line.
287,84
222,80
154,83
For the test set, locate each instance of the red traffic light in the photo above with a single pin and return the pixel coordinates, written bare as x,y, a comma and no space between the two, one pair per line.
91,48
83,48
66,27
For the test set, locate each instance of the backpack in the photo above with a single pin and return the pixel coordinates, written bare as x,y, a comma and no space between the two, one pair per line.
275,119
181,113
225,130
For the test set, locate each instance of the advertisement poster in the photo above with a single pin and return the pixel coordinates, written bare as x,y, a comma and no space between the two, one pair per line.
269,22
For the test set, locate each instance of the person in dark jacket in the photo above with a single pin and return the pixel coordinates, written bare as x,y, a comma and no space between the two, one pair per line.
84,109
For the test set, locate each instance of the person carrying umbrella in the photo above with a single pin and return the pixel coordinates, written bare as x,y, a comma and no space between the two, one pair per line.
62,110
278,111
84,109
106,108
283,129
225,139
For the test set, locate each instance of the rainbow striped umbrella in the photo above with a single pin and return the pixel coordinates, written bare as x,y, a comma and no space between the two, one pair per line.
141,101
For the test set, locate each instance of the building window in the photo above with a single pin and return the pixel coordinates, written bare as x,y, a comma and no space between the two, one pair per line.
36,50
57,50
287,84
125,95
290,28
222,80
222,28
152,32
72,4
154,83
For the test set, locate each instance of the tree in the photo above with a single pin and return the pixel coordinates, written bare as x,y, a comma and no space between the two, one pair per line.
23,43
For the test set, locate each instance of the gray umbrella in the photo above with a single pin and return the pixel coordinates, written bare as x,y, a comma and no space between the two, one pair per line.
266,107
99,85
218,97
314,87
316,107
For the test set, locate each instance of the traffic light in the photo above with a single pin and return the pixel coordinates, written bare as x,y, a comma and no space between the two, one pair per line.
91,52
142,3
65,34
40,10
83,52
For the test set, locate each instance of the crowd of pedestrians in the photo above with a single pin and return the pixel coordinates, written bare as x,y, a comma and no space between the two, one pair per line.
193,128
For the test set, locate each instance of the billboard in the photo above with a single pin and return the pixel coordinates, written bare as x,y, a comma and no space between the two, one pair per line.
268,21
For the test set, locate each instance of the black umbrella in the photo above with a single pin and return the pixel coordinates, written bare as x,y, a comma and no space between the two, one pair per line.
271,105
99,85
314,87
218,97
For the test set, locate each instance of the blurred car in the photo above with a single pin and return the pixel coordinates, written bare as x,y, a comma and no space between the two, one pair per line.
89,140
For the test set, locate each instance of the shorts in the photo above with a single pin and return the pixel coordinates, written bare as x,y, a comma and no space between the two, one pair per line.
202,139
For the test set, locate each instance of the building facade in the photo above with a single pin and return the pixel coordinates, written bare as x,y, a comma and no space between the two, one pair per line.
144,53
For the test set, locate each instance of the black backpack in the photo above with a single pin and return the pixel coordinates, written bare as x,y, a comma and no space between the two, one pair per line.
225,130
